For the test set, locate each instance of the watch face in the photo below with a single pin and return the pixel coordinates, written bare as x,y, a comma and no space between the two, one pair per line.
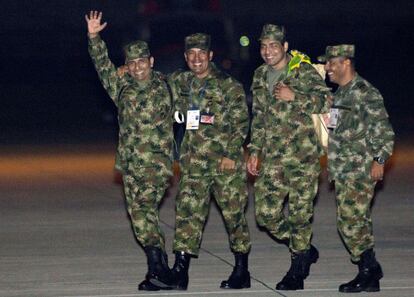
379,160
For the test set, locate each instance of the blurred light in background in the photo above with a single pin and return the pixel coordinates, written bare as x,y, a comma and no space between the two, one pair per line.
244,40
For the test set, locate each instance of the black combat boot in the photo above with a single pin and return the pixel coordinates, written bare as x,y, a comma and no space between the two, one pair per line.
311,256
158,276
293,280
145,285
299,269
368,277
240,277
180,270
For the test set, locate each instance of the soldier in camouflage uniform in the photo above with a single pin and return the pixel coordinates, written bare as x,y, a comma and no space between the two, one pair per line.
212,104
360,141
287,90
145,142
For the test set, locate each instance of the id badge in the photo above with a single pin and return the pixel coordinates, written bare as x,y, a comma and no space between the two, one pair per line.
193,119
207,118
333,118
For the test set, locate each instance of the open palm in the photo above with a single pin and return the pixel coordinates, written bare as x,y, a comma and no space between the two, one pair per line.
94,22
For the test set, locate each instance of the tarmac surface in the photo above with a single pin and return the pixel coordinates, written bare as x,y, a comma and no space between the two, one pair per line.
65,232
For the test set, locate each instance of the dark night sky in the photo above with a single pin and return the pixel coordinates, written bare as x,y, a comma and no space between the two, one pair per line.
50,92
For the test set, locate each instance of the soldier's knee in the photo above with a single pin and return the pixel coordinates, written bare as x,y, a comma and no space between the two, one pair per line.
299,221
261,220
235,219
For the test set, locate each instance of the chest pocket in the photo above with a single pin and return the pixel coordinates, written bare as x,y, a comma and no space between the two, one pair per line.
213,101
139,107
347,121
183,102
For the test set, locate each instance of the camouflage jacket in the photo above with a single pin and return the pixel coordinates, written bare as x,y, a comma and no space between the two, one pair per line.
218,94
283,130
363,130
144,114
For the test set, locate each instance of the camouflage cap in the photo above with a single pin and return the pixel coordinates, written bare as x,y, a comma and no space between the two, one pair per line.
341,50
273,32
136,49
197,40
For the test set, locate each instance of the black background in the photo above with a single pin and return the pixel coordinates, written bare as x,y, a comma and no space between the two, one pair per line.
50,92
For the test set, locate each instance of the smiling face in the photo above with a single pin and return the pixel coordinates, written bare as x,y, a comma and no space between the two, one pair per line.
140,68
274,53
198,61
336,69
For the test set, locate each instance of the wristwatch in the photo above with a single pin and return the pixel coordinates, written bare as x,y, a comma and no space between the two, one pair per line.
379,160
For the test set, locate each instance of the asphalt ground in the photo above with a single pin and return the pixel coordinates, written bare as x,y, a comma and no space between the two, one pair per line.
65,232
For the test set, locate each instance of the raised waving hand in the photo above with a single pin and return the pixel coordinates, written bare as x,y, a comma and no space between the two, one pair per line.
94,23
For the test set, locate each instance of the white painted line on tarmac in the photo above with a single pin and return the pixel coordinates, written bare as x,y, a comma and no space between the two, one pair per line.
336,289
172,293
397,288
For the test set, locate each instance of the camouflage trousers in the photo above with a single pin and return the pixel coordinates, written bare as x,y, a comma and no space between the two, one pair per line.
143,193
192,208
353,200
300,185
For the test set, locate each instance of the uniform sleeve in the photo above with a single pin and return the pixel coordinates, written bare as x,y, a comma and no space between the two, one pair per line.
167,100
236,118
258,128
178,129
105,68
311,92
166,119
380,133
173,82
